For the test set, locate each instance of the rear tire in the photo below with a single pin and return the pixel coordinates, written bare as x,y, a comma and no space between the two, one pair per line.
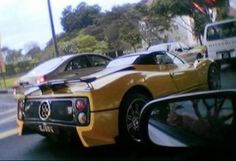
129,117
214,80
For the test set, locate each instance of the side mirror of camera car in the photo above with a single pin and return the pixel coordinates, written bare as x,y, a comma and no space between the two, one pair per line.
189,120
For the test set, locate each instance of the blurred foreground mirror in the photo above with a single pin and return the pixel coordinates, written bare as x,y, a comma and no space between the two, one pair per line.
199,119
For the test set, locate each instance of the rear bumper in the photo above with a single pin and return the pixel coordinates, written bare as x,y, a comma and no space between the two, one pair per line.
34,127
102,130
60,132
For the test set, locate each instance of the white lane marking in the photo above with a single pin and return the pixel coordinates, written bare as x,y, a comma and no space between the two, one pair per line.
8,119
8,133
8,111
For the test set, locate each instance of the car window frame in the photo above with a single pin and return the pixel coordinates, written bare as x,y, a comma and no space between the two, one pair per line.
174,57
164,55
153,55
74,58
89,58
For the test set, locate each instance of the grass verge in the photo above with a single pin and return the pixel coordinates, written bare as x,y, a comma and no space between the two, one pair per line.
8,83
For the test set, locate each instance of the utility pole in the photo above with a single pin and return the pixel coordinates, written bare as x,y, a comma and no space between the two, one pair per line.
52,29
2,67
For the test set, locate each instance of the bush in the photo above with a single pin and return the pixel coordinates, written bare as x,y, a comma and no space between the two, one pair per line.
20,67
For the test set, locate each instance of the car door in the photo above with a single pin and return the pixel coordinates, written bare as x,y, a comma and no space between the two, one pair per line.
156,72
185,76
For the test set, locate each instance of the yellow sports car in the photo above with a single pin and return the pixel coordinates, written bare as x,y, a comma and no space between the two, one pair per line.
105,106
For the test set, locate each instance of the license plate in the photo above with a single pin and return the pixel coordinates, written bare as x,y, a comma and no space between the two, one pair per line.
46,128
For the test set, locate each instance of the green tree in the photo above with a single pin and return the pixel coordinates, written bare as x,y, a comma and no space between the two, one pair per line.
12,55
118,29
49,51
131,37
33,51
82,43
122,28
151,25
86,43
173,8
80,17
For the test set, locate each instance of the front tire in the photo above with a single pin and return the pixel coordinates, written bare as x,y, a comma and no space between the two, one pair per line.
214,81
129,116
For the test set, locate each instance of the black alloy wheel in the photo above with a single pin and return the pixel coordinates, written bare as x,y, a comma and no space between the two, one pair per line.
129,116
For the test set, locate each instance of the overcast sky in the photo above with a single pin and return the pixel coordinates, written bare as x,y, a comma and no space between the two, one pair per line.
23,21
233,3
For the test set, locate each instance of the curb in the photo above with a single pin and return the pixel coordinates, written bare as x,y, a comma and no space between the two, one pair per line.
3,91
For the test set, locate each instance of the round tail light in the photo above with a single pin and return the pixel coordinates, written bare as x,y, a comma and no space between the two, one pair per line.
82,118
81,112
80,105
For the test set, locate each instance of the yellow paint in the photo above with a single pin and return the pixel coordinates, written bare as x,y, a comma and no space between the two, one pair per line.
108,92
8,133
20,125
102,130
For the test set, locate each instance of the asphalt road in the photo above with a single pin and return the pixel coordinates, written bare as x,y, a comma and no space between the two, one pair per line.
34,147
7,115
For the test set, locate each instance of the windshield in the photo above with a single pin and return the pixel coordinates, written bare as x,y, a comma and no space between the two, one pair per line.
123,61
160,47
48,66
221,31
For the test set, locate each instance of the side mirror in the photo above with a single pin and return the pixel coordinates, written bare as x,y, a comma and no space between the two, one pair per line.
188,120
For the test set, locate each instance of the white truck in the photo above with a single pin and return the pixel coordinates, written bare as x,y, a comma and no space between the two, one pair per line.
220,41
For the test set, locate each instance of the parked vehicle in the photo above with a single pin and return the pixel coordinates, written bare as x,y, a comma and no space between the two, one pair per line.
220,40
104,106
188,53
64,67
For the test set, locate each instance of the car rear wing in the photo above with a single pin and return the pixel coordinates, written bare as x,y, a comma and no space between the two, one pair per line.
56,85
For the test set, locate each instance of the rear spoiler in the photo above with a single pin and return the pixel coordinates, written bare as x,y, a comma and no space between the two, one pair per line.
57,84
